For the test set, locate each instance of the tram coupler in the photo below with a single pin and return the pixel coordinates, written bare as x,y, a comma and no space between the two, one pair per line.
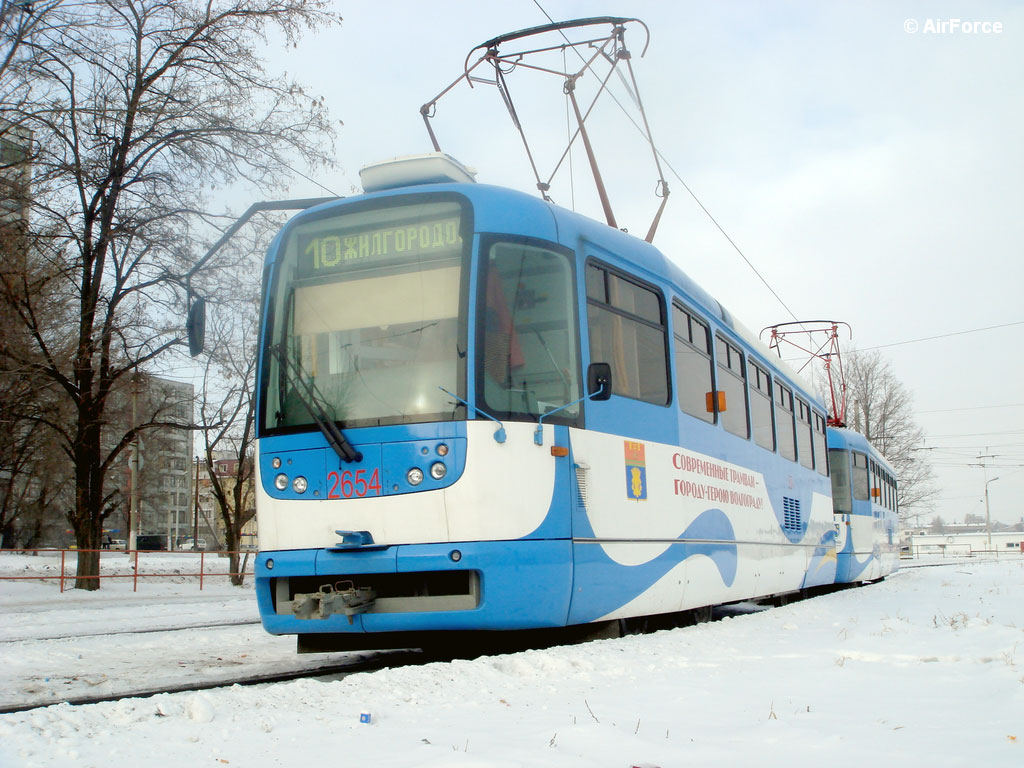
341,597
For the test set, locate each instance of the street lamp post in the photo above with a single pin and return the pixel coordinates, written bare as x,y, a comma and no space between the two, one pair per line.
195,512
135,463
988,520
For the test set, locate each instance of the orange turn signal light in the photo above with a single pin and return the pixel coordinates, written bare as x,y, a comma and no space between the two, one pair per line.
715,400
559,450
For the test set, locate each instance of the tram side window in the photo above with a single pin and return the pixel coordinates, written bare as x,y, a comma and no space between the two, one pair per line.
860,476
692,351
784,421
819,444
732,382
761,407
627,330
528,332
839,468
803,433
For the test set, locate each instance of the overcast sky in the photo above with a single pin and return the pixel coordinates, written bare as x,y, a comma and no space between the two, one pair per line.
867,162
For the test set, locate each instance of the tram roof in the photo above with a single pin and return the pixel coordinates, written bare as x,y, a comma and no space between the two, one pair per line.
850,439
505,210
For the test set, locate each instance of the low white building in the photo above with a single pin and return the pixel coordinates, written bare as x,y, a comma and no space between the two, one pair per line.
968,543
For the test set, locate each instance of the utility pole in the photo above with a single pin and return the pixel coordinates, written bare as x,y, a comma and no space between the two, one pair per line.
988,521
195,512
133,464
984,470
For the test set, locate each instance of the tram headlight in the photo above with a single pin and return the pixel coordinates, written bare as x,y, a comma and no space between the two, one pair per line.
281,481
414,476
438,470
299,484
442,450
276,462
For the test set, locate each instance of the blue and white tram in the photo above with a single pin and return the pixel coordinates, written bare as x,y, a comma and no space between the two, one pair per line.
480,411
864,493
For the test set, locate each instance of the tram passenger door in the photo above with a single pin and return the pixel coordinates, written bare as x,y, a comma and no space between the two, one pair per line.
626,341
627,330
623,456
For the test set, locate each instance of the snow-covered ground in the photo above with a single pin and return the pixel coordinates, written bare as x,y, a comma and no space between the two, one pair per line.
67,651
926,668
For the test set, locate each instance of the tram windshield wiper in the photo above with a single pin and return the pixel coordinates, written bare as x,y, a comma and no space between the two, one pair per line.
312,402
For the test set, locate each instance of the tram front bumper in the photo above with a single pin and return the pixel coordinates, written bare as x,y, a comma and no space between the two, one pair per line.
495,585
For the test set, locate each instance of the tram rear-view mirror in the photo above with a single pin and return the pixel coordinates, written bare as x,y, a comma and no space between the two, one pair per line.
195,326
599,381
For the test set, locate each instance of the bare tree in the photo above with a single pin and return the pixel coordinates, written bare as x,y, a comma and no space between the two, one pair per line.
30,484
33,471
36,492
136,107
18,20
227,407
880,407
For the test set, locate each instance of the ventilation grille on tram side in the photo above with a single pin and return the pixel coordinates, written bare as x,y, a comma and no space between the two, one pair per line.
790,513
581,486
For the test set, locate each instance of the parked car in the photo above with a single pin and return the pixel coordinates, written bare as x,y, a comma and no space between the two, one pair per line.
150,542
197,545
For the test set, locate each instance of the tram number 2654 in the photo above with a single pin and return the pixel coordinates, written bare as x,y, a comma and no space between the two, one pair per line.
353,485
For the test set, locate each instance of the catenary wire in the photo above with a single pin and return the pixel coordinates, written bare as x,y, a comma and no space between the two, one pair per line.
944,335
687,188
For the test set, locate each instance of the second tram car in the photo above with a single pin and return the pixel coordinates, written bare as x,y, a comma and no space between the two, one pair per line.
481,411
864,502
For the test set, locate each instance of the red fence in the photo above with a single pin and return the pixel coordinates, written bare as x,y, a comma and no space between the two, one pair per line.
208,562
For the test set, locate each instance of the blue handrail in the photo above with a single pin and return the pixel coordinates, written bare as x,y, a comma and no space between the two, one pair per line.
499,434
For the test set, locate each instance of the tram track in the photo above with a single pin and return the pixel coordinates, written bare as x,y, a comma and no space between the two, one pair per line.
357,661
142,631
225,675
375,661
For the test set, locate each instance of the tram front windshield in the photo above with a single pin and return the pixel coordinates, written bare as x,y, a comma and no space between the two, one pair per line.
366,318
